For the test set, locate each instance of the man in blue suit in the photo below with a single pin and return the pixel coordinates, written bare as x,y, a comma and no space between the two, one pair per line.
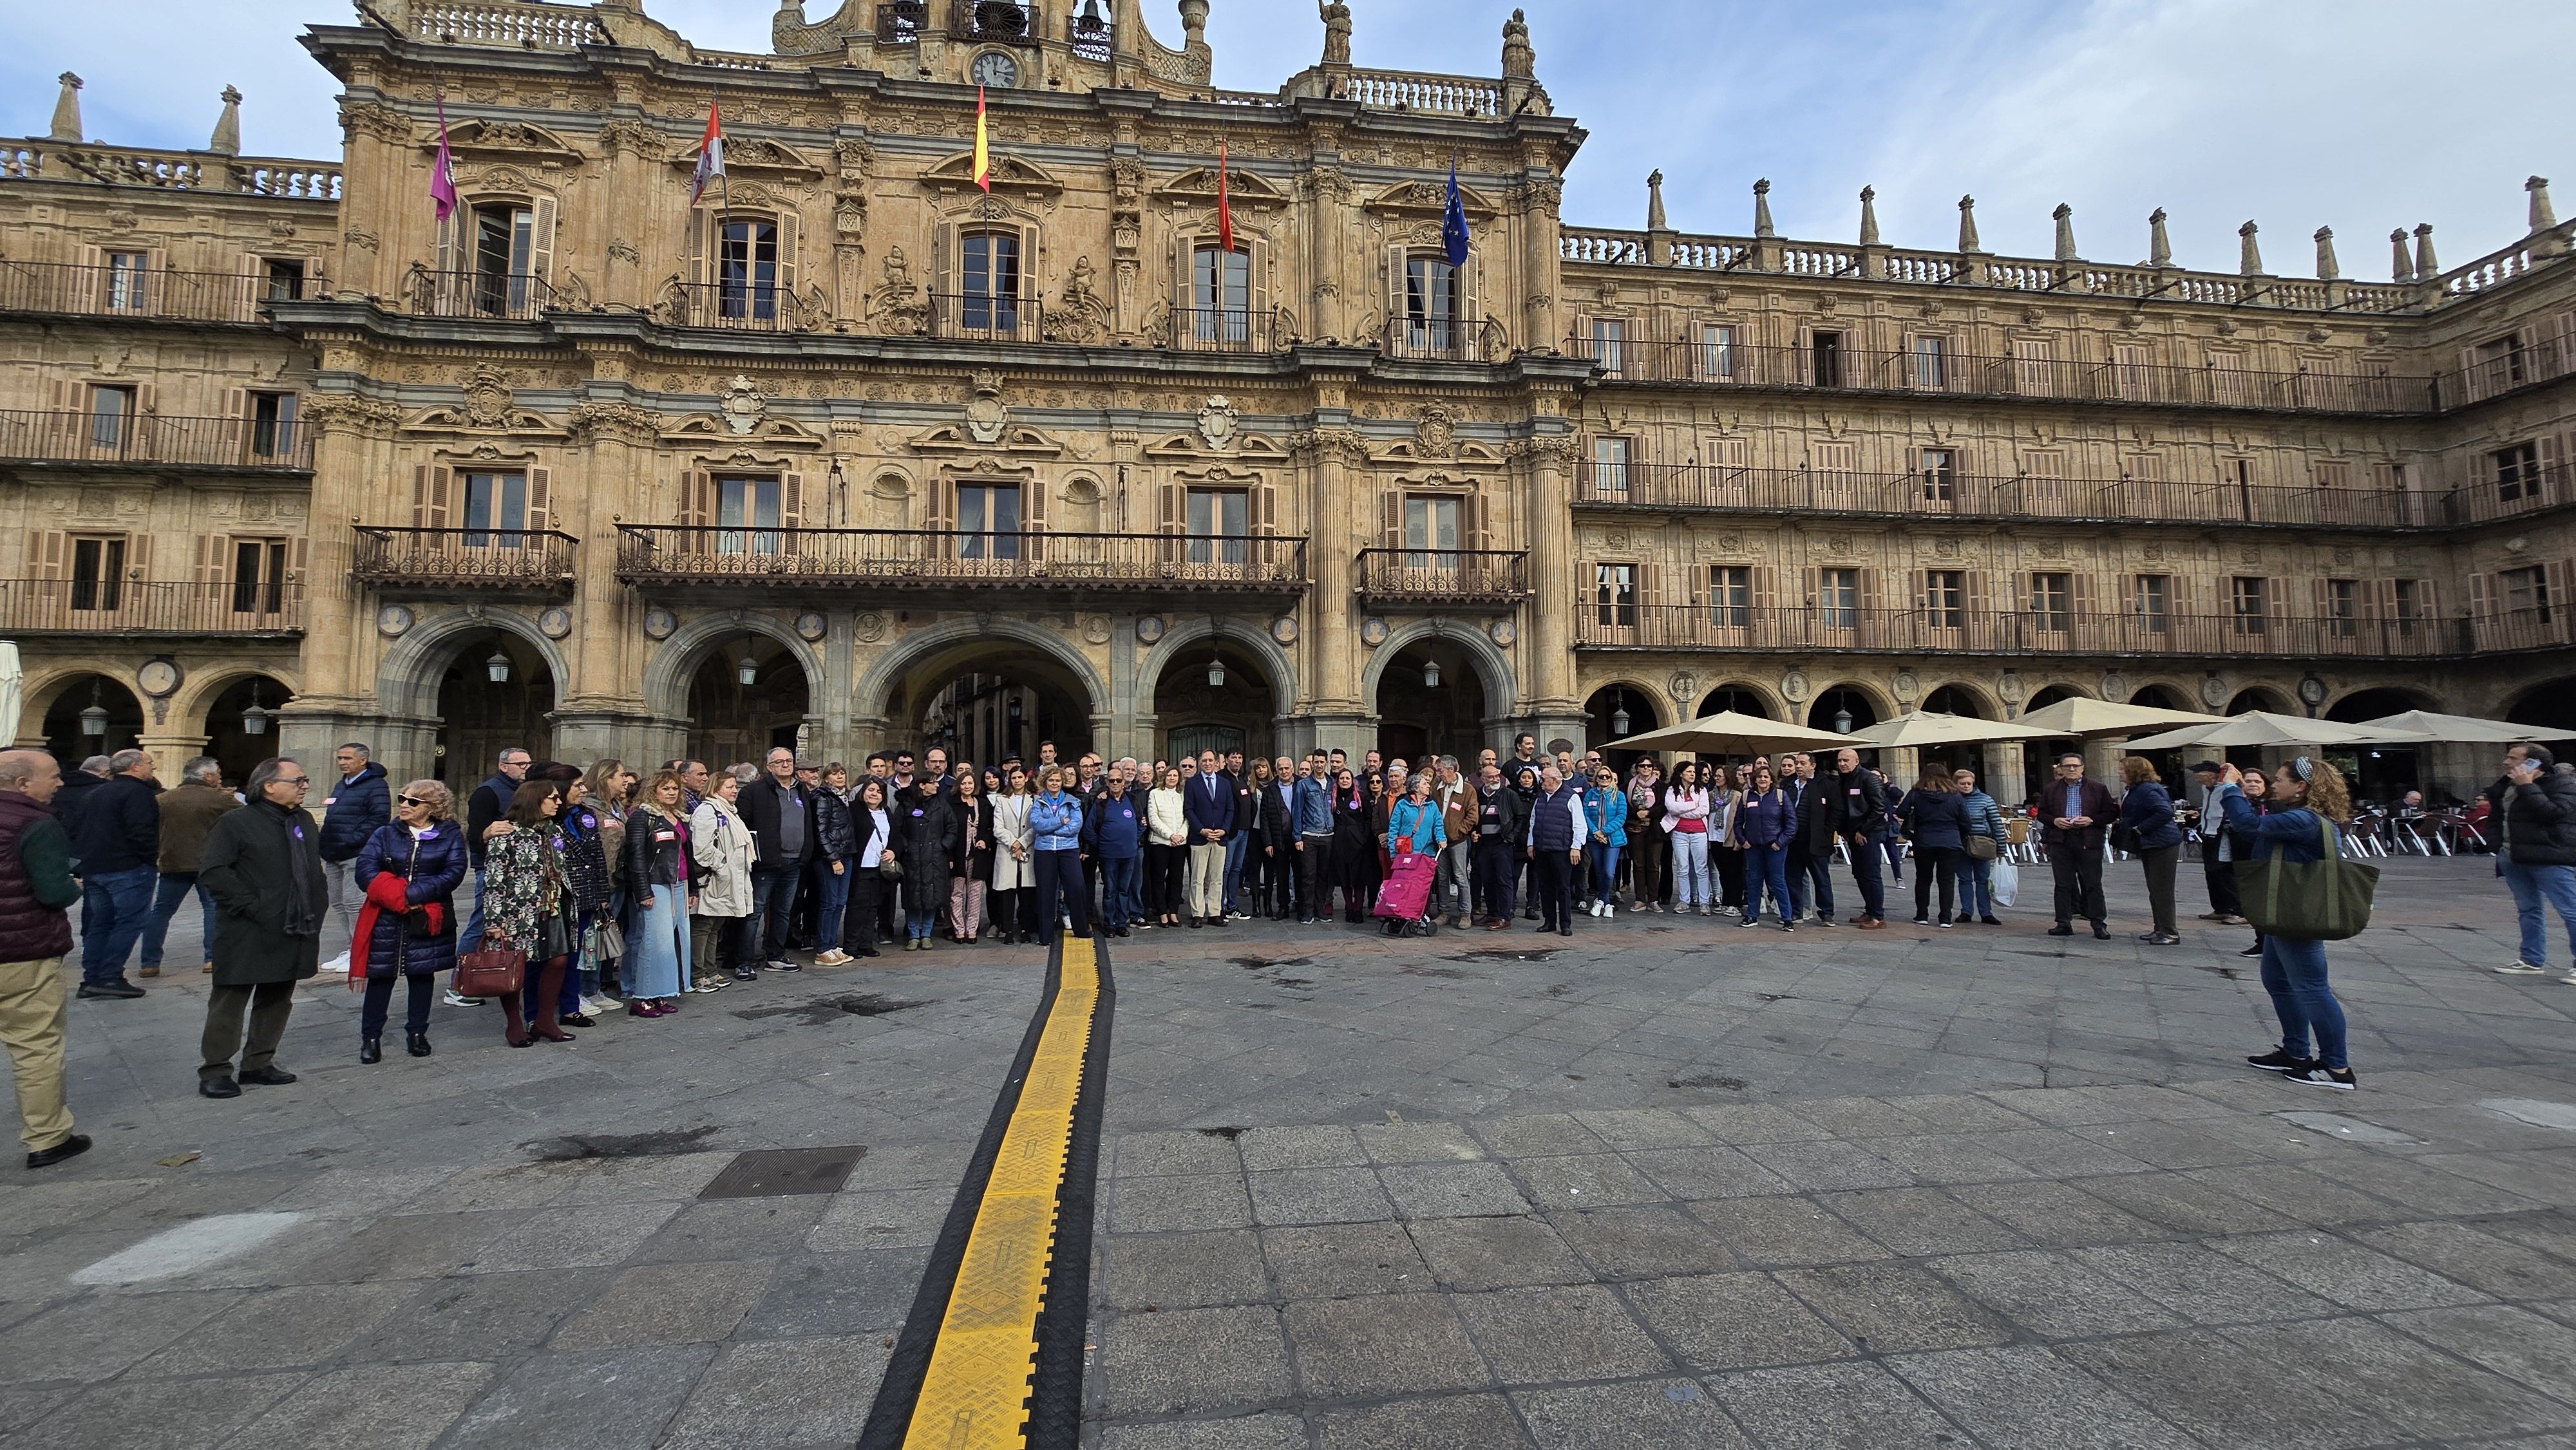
1207,806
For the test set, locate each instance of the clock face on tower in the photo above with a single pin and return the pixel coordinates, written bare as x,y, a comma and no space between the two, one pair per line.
996,71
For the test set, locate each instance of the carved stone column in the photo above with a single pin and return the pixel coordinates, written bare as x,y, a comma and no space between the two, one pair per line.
1335,663
1551,683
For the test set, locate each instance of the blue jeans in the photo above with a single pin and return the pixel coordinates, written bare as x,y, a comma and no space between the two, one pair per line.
2532,886
1976,887
1767,866
115,908
1117,889
1237,846
165,905
472,937
2294,972
1605,870
1865,873
918,923
773,905
834,905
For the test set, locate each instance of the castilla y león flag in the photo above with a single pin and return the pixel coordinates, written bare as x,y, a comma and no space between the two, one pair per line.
711,166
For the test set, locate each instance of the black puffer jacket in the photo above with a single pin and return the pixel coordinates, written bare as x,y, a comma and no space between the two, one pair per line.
833,827
2540,820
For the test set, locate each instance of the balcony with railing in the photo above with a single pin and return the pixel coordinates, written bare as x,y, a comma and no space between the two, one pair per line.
1222,329
1931,631
1467,339
501,561
735,305
126,440
1939,494
124,608
154,294
978,317
898,561
1839,368
499,296
42,158
1461,579
507,25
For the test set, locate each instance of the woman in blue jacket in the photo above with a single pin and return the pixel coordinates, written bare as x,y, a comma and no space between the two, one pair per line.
422,851
1935,819
2148,809
1605,805
2305,794
1976,873
1764,825
1055,826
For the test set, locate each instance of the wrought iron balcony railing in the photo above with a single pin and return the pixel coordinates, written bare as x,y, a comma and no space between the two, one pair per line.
505,296
158,294
762,307
1444,578
977,317
1814,629
125,438
1222,329
1918,373
126,607
1467,339
680,555
475,559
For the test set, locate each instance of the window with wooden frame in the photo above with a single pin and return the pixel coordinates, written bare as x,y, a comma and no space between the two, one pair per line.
988,276
1730,596
272,425
2339,605
988,520
1219,525
1610,344
1945,598
281,279
2043,480
1610,465
1220,295
2526,593
112,417
2516,470
97,570
2250,604
2407,603
495,509
2035,366
1927,362
258,575
747,264
1825,358
1434,301
2052,601
1838,598
2230,382
481,508
1938,471
1716,352
1614,595
2133,370
127,282
2498,364
504,249
2151,603
1432,530
1835,480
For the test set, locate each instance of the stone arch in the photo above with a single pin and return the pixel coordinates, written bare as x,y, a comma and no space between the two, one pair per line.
2262,697
198,693
1987,706
869,691
667,673
2550,703
408,677
1493,667
2054,691
1251,639
1882,704
1774,707
2343,706
2164,695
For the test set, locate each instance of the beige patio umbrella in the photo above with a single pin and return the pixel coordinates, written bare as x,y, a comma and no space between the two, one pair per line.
2084,717
2262,727
1730,732
1928,727
2434,727
13,694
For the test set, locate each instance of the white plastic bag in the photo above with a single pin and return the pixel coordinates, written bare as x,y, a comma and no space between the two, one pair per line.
2005,883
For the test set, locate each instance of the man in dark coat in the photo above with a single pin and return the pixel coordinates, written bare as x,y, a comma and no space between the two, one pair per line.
76,787
486,805
1806,861
1852,805
2534,821
2074,814
36,892
780,812
263,866
356,806
116,848
188,814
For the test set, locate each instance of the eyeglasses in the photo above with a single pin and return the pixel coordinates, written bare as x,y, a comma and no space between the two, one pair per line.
297,781
409,800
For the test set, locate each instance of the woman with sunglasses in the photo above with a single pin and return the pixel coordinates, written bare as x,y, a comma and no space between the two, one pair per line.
409,870
528,904
1606,806
660,876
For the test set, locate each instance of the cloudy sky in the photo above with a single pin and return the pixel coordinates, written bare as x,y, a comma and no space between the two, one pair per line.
2359,114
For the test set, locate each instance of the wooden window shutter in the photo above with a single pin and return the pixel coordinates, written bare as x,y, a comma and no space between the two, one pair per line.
2545,449
214,558
431,487
2020,590
1395,260
1390,519
1034,498
791,510
147,400
787,255
2276,600
1184,287
2428,599
2554,574
1870,599
2178,594
1256,290
1471,305
1980,596
1473,528
2322,602
943,247
296,558
1032,268
1650,582
1766,587
138,556
697,267
695,491
48,553
541,239
2482,596
1265,508
540,499
238,418
1171,507
451,233
2382,599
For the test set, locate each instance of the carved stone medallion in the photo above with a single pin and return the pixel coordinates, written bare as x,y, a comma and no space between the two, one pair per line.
1217,422
743,406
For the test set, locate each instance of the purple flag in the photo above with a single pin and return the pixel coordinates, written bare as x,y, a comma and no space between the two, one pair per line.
442,170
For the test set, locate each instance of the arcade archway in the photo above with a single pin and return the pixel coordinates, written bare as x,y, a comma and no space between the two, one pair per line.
1742,699
988,700
92,715
1431,701
748,696
1214,695
2550,705
1614,713
496,693
2387,772
241,725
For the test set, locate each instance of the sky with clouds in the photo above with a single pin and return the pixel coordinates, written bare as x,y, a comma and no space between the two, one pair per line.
2363,115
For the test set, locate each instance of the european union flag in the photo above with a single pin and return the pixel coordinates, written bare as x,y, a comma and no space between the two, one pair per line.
1453,221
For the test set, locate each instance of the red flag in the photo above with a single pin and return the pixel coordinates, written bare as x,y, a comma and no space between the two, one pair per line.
711,162
1224,207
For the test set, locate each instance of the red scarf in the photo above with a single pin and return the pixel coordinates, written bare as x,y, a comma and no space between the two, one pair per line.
388,892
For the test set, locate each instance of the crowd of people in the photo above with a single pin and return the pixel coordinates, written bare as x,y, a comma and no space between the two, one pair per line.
608,889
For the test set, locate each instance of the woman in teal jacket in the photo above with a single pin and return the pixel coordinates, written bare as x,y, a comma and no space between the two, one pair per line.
1055,828
1415,818
1606,806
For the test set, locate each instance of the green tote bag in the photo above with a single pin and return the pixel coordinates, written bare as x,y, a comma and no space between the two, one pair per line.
2326,900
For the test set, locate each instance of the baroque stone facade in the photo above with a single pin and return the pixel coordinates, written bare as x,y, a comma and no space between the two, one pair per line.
855,450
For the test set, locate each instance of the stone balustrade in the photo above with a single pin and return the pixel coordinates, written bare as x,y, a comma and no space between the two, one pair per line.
35,159
529,27
1427,95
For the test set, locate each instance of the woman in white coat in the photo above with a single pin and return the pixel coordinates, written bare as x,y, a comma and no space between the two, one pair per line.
722,846
1013,871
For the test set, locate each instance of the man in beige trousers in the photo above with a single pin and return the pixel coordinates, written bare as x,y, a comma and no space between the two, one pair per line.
36,893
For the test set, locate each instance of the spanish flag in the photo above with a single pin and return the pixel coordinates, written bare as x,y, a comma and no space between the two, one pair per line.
983,147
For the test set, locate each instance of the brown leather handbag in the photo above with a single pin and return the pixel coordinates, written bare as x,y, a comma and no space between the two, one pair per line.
495,971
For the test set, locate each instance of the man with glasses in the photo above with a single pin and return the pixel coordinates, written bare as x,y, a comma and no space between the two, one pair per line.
2075,813
486,805
780,812
263,866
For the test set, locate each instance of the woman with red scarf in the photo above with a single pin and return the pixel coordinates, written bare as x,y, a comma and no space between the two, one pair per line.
410,869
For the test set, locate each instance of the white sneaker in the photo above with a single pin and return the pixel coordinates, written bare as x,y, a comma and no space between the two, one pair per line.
336,967
1609,908
454,1000
2520,969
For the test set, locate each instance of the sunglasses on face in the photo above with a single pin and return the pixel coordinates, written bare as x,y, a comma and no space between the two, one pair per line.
410,800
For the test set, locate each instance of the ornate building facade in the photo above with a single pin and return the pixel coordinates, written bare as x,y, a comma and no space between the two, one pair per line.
856,451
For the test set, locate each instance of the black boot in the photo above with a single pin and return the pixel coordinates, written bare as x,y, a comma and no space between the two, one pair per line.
416,1043
371,1049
